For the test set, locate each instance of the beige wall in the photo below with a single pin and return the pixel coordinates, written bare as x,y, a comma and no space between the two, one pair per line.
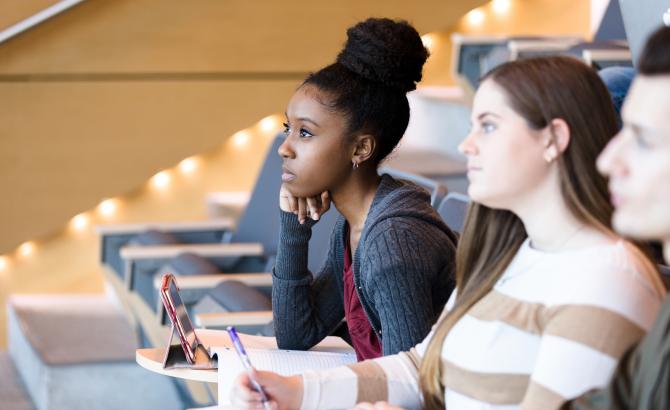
14,11
102,96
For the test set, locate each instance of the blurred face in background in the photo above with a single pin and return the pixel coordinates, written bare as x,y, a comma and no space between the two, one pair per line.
637,162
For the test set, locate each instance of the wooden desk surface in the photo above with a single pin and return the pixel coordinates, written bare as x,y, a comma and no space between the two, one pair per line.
152,359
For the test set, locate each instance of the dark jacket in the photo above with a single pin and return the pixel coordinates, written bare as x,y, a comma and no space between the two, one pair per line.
642,379
403,272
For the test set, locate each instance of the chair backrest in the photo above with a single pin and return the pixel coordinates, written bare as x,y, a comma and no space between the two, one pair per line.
260,220
474,56
541,47
641,18
436,190
453,209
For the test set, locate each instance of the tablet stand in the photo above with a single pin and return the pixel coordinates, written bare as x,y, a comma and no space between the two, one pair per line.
175,357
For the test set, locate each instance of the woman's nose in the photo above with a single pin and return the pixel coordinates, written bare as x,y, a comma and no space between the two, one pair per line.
467,146
285,150
612,160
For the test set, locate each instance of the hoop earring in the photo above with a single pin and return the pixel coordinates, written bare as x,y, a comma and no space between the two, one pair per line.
355,166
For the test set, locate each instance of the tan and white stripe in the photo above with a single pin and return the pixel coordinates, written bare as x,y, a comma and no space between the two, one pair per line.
552,328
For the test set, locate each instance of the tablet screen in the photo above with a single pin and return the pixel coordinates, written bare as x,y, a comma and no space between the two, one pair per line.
183,321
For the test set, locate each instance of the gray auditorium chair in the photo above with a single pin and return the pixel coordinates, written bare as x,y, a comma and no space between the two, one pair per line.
476,55
249,248
436,190
520,48
640,19
453,209
232,302
241,304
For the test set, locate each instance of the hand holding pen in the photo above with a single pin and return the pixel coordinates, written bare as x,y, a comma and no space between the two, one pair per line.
257,389
237,344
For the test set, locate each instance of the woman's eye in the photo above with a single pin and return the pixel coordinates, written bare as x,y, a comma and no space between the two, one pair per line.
287,129
305,134
488,127
641,141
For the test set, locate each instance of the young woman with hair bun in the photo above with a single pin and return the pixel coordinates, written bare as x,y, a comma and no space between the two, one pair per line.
390,265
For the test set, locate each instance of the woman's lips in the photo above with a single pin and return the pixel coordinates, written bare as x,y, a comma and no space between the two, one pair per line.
287,175
472,169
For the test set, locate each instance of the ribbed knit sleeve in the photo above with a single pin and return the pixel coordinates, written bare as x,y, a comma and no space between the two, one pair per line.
292,251
409,278
306,307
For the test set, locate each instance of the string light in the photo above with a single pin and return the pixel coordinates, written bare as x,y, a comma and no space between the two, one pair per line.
475,17
240,139
79,222
108,207
428,41
269,123
501,6
189,165
4,263
26,249
161,180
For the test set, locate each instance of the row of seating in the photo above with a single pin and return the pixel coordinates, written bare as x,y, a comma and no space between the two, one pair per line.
216,287
476,55
223,269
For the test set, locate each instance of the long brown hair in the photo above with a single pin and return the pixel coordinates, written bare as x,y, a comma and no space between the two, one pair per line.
540,90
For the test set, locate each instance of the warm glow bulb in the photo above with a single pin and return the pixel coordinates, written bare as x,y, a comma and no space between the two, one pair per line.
189,165
79,222
241,139
26,249
161,180
269,124
107,207
501,6
427,41
4,263
475,17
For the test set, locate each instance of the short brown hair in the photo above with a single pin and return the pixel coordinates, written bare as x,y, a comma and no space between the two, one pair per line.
655,58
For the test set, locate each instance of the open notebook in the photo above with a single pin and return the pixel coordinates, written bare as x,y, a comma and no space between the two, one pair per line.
284,362
264,355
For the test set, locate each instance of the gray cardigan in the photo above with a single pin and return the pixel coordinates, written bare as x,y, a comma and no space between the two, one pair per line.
403,272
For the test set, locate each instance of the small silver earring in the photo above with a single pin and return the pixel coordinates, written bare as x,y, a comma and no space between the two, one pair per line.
355,165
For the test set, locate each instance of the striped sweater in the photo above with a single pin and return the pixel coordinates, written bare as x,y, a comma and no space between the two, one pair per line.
552,328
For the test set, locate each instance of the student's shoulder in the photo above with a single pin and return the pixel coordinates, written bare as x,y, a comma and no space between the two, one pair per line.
617,277
621,263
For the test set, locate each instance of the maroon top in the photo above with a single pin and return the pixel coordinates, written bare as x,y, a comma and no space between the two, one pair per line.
365,341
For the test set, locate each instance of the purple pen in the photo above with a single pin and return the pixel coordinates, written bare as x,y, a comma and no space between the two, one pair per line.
237,344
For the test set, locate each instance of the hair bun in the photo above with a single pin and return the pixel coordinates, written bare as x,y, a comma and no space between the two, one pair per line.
385,51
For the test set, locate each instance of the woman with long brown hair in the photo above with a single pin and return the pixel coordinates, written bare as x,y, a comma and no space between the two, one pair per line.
548,296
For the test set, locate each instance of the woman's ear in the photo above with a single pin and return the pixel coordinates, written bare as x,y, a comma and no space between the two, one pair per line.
557,139
364,148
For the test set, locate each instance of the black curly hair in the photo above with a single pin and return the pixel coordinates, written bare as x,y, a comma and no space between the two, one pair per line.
381,61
